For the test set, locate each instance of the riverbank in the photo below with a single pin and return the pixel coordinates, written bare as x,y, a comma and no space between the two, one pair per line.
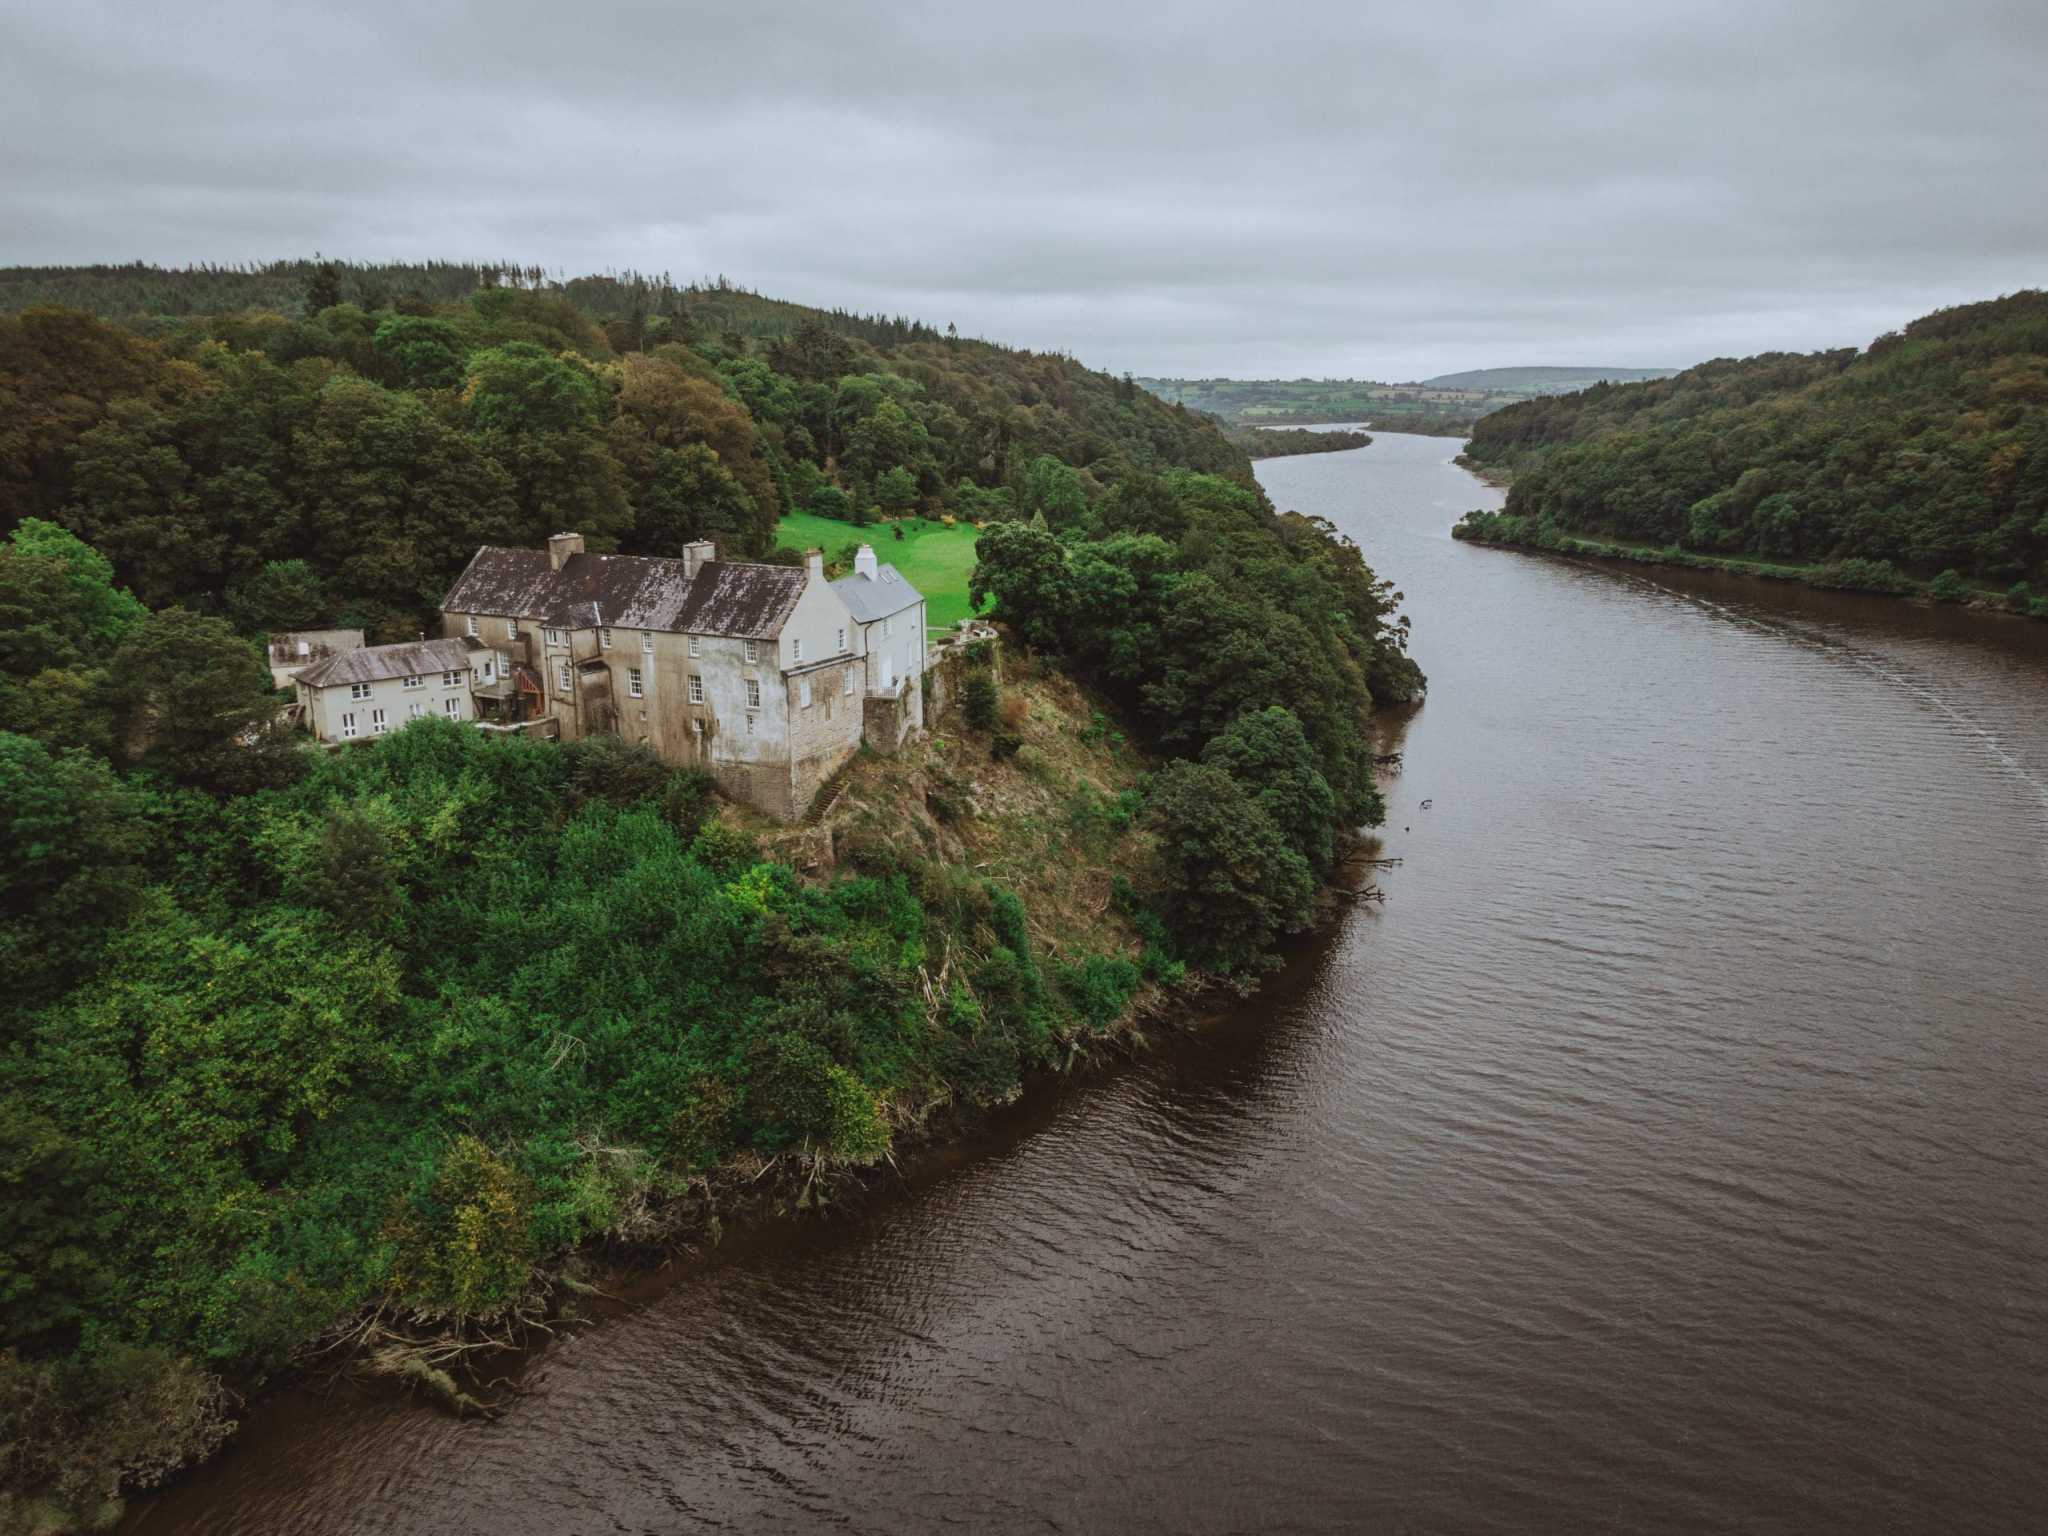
1271,443
1874,577
1018,859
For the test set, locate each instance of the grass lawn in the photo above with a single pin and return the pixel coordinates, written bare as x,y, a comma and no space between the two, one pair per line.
933,558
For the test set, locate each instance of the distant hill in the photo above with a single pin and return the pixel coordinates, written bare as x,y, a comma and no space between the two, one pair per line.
1928,449
1542,381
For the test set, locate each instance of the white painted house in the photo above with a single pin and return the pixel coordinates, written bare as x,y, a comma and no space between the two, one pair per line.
888,612
360,694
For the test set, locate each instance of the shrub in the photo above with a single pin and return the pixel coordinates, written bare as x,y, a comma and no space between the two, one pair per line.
1006,744
1948,587
2020,598
978,701
724,849
465,1248
1014,710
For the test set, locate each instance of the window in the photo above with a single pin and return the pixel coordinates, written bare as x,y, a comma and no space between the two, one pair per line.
696,645
486,672
553,636
377,722
452,706
803,692
646,642
796,648
359,690
842,639
750,725
753,651
753,693
696,688
633,689
472,625
846,682
414,710
348,725
604,639
566,679
451,679
415,682
511,629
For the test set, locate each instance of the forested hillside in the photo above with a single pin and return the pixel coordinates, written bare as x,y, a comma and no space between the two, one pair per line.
1925,453
363,1046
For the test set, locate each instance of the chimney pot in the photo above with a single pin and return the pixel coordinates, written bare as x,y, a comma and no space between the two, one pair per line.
864,561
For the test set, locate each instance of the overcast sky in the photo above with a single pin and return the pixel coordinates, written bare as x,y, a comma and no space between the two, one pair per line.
1331,189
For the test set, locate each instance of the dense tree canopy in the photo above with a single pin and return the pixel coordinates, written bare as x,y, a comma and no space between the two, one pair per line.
1929,449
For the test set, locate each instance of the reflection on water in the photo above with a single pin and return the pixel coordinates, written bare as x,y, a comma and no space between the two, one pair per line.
1667,1154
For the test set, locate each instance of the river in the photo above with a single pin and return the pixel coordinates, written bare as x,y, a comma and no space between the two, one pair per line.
1669,1153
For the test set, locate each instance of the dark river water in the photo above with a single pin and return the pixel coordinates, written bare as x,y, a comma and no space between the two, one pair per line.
1669,1154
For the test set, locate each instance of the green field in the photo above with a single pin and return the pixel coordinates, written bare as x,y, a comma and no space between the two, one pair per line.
933,558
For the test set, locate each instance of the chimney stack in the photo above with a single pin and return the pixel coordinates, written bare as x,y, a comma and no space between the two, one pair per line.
864,562
696,556
561,546
814,562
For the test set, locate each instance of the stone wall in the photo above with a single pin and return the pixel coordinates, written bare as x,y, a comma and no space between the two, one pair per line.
947,667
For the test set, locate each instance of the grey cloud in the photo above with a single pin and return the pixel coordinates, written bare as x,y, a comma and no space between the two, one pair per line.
1196,188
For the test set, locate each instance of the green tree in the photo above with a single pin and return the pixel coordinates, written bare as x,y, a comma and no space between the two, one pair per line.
1025,570
1226,879
193,699
1267,752
422,353
896,491
284,595
1053,491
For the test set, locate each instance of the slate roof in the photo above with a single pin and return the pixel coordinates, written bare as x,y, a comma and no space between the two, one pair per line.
878,596
727,597
413,658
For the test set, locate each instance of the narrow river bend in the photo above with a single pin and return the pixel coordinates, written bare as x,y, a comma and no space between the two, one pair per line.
1670,1153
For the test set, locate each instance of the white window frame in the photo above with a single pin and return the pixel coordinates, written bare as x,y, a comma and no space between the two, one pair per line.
696,645
635,688
803,692
847,678
451,679
378,724
348,724
696,688
753,650
566,676
511,629
414,710
753,693
552,636
604,638
796,647
473,626
842,639
452,706
359,690
416,681
646,642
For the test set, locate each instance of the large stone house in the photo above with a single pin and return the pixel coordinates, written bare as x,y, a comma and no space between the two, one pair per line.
358,694
759,674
